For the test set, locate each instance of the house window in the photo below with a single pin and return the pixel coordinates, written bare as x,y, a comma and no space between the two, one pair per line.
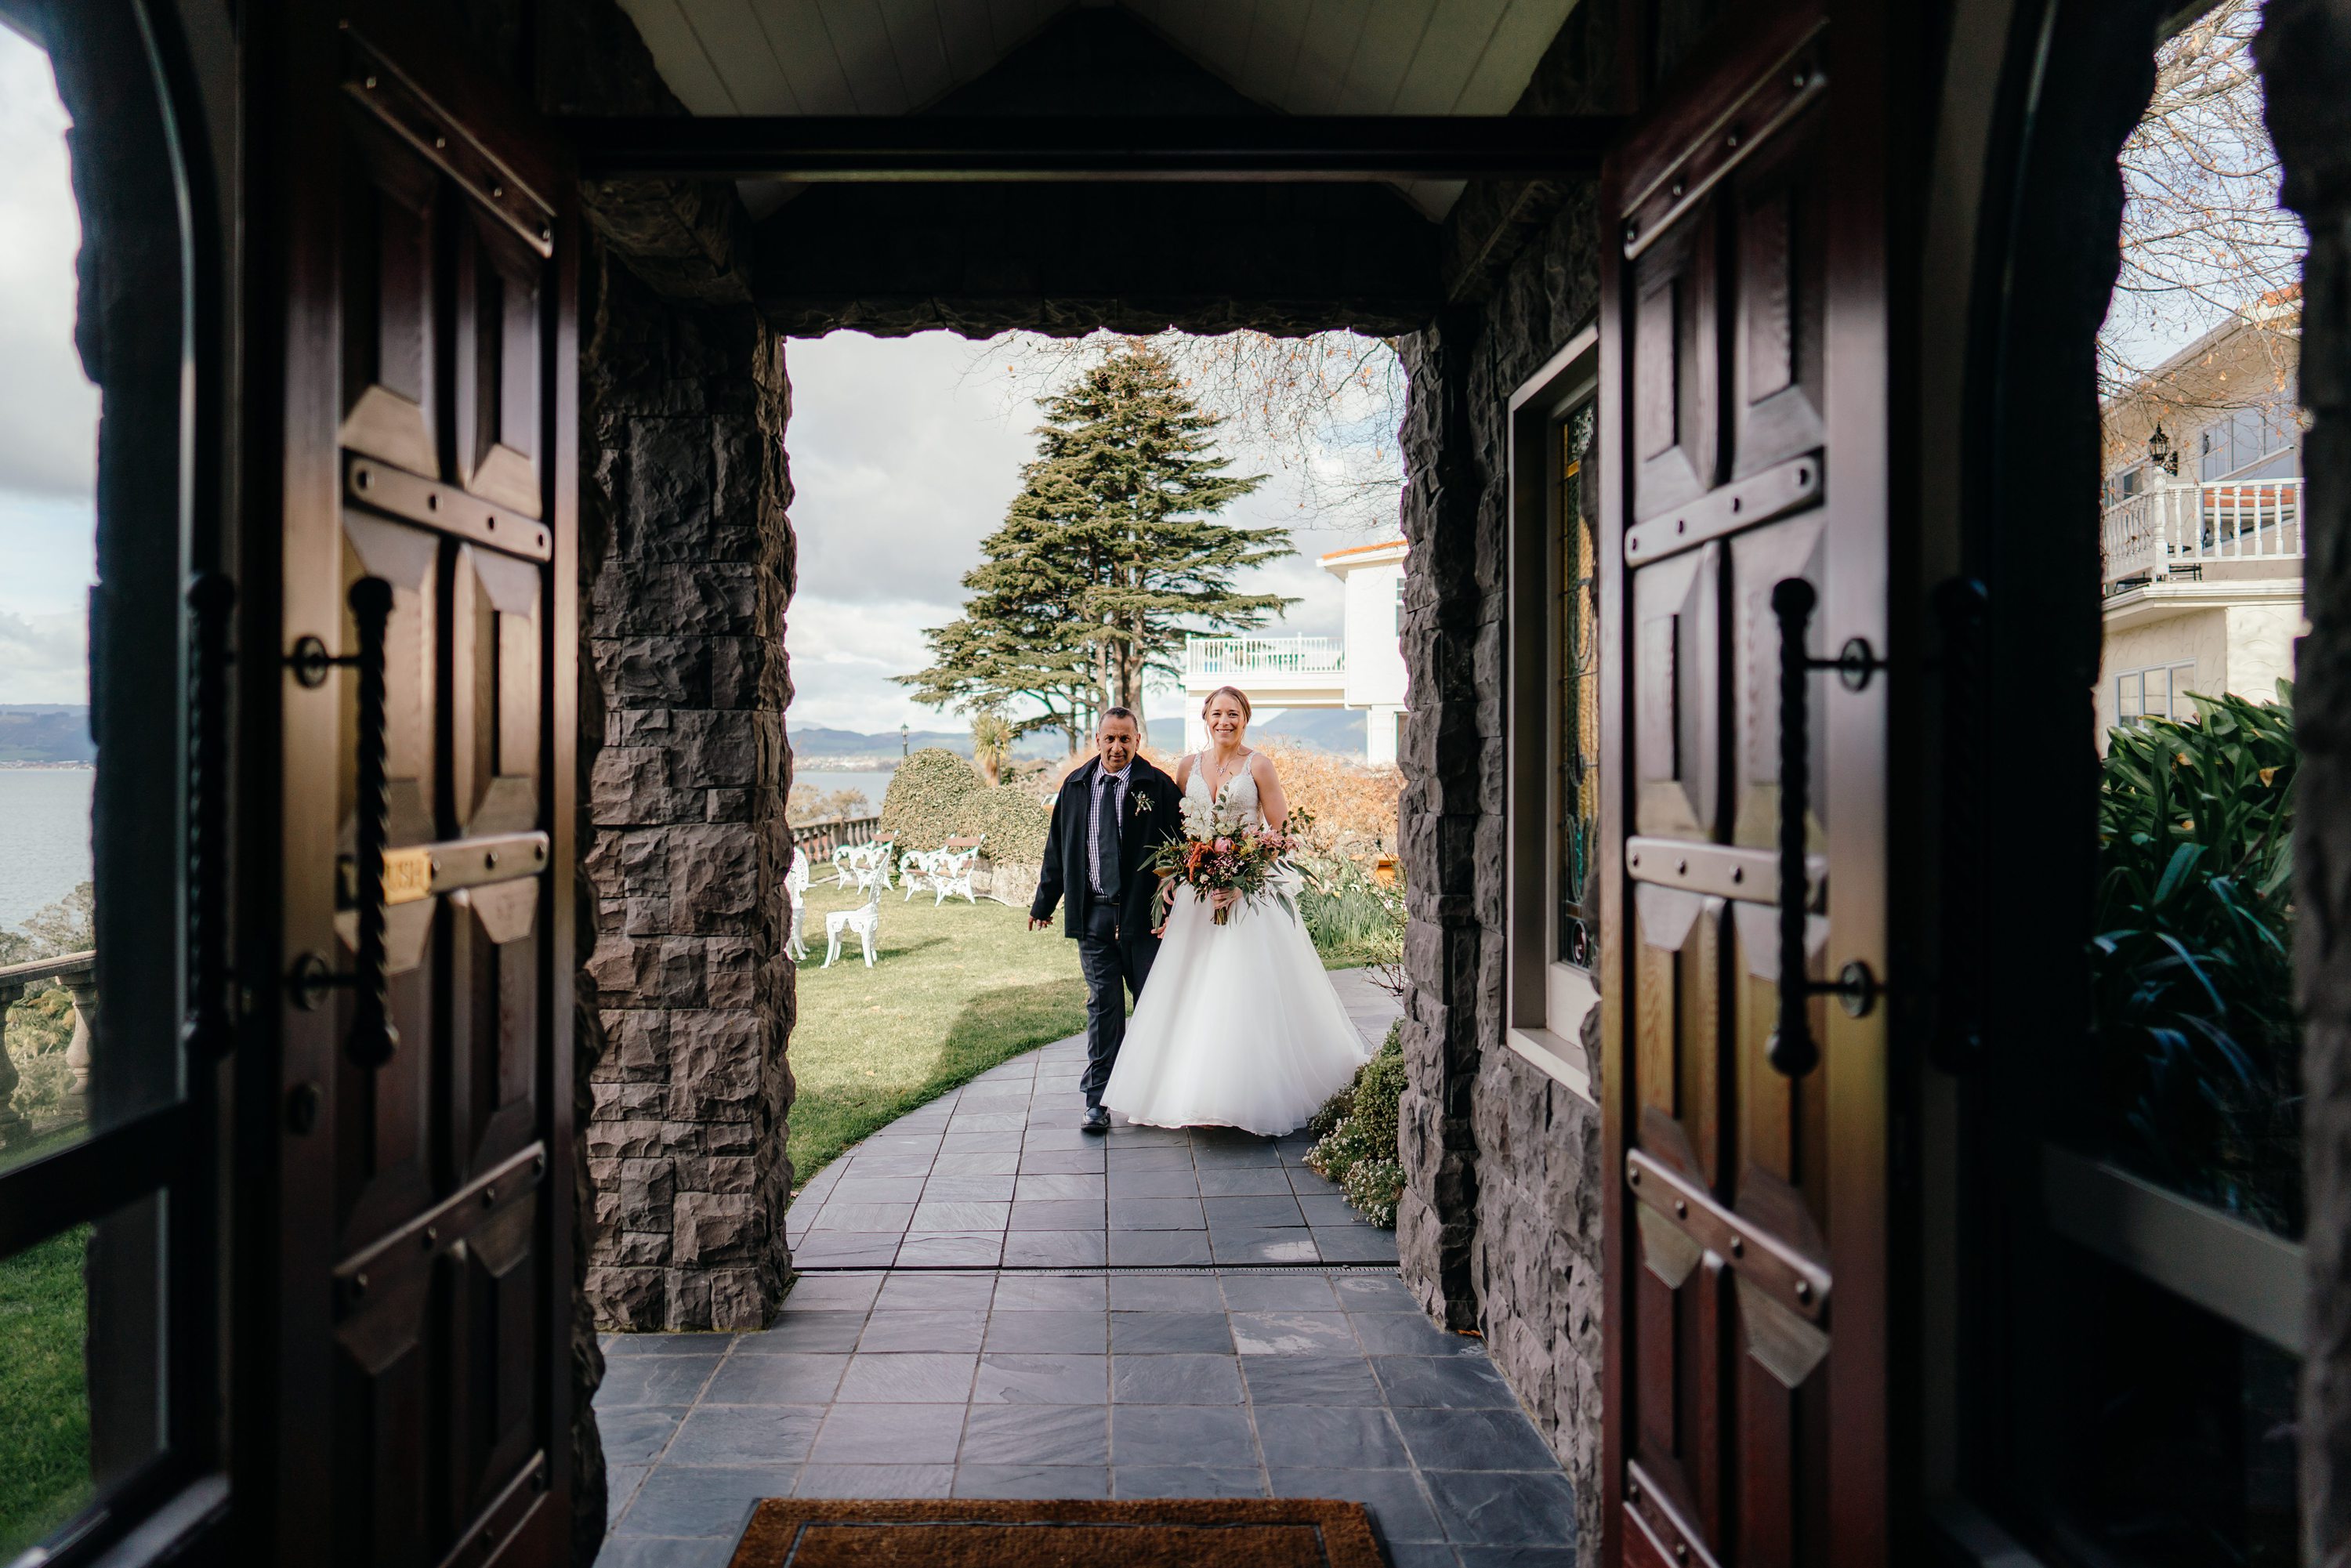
1579,694
2158,691
2265,437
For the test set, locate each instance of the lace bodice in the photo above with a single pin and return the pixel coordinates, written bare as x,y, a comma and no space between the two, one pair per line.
1240,790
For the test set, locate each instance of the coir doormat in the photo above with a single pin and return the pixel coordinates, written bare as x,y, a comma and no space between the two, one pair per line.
1184,1532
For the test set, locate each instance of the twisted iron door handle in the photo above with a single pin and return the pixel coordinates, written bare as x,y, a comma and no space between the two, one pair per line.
206,1029
374,1038
1791,1050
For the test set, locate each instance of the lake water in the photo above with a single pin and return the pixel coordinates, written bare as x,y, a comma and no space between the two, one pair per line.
873,785
43,836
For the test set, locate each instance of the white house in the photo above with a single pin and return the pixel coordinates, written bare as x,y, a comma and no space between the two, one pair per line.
1364,669
2201,535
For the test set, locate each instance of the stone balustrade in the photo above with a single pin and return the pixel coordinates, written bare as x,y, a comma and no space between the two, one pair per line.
78,972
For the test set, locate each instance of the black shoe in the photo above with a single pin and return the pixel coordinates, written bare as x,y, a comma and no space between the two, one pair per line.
1097,1120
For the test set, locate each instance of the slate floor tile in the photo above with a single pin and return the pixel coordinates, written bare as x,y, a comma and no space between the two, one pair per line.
948,1214
1287,1292
1165,1293
876,1481
1215,1435
966,1121
951,1249
1294,1245
805,1331
653,1341
969,1188
966,1140
620,1483
939,1331
1151,1157
1056,1214
1055,1249
1293,1333
1410,1554
1309,1380
1326,1209
636,1434
1255,1152
678,1499
1070,1333
1187,1480
1072,1482
1175,1380
870,1190
784,1378
936,1293
1244,1181
1048,1293
736,1435
1357,1244
845,1249
1330,1437
1060,1161
1020,1379
1410,1334
654,1380
1443,1382
1184,1183
908,1379
1156,1214
977,1162
1260,1213
1473,1440
1142,1333
1367,1292
889,1435
662,1551
1398,1508
1036,1434
1503,1507
1146,1249
1059,1185
832,1292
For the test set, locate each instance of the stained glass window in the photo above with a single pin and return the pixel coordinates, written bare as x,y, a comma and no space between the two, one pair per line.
1579,694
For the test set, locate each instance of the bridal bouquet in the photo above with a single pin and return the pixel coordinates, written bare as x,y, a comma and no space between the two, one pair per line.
1218,852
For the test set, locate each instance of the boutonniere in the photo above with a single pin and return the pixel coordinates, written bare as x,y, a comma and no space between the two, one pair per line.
1141,805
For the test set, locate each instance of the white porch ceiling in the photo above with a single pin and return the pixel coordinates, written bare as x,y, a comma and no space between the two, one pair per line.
1298,56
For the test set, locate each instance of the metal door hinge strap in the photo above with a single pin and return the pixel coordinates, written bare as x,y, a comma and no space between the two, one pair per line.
415,871
1754,1253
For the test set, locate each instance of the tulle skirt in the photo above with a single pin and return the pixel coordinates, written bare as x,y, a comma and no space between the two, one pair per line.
1238,1027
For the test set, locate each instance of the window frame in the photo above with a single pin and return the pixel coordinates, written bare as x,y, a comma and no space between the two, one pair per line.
2170,669
1546,1001
157,529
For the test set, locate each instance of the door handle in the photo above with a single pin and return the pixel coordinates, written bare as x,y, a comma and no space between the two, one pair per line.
373,1038
1791,1050
206,1030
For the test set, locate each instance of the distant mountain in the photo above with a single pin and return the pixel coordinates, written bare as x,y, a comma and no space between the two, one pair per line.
1339,730
883,748
46,732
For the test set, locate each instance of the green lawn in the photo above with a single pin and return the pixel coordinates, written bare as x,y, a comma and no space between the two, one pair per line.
44,1407
954,991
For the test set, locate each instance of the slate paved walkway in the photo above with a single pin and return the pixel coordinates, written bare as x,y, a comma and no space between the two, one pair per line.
995,1304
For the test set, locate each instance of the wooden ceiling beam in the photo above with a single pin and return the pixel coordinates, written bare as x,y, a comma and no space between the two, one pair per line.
843,147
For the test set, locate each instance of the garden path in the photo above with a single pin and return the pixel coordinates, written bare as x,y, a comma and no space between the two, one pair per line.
992,1304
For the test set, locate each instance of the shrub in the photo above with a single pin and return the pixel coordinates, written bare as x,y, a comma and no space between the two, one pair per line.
1353,917
2192,964
1357,1128
935,795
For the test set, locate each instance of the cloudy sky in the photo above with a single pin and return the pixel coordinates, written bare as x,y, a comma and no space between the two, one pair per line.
904,453
48,412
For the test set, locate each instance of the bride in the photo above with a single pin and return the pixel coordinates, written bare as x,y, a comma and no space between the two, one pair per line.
1238,1025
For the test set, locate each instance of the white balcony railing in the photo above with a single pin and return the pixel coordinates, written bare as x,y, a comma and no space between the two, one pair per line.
1234,658
2185,524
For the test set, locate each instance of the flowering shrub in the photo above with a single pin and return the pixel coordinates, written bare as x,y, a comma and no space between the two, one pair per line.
1358,1134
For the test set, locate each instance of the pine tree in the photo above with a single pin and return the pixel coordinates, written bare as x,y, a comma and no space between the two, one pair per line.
1107,558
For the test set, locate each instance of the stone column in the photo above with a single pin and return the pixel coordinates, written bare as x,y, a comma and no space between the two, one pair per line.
683,420
13,1126
83,985
2304,54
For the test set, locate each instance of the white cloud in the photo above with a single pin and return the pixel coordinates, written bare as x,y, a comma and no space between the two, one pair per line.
48,410
44,658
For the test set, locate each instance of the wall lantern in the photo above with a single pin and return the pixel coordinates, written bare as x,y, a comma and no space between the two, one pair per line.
2159,451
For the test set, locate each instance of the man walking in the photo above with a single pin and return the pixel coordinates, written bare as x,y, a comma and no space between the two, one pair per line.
1111,815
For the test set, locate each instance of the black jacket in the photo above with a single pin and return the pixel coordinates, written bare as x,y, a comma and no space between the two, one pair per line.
1141,830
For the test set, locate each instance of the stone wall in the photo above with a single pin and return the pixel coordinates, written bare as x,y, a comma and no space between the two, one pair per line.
686,562
1499,1224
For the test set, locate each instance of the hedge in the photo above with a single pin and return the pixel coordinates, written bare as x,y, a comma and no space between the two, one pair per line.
935,795
1357,1130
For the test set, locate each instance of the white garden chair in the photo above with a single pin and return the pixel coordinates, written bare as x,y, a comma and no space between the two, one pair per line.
915,871
951,869
865,920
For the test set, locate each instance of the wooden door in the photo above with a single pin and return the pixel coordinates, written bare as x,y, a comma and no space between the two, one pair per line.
411,241
1745,386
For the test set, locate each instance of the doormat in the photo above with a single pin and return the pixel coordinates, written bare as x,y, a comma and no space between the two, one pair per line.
1175,1533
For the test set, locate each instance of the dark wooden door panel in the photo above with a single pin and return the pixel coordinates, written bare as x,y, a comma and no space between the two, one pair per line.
429,404
1737,1200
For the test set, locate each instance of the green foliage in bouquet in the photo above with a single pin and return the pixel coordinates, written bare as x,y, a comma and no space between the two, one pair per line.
1357,1135
2192,965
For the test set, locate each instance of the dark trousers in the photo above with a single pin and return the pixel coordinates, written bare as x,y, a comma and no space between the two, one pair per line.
1116,962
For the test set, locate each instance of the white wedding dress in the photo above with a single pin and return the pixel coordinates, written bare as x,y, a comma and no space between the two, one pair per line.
1238,1025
